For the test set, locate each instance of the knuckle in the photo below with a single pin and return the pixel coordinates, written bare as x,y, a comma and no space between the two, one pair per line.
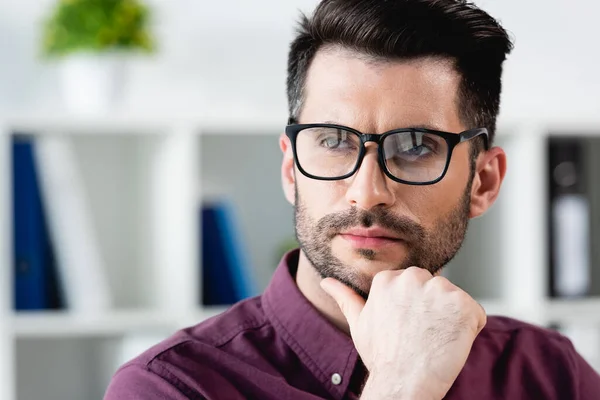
440,282
417,273
382,278
483,318
461,298
468,307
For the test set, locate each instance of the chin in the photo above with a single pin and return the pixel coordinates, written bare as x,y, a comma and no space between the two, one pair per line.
363,265
367,258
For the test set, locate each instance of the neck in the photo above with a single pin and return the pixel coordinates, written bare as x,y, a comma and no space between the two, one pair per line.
308,281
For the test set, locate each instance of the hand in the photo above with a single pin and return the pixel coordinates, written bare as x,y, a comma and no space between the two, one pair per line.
414,333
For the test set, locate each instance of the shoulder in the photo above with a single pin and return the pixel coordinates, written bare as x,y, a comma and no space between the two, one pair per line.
522,336
189,358
512,359
214,332
245,316
531,357
513,345
498,325
509,344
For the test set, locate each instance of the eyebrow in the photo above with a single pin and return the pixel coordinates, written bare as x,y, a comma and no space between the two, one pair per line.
428,126
418,126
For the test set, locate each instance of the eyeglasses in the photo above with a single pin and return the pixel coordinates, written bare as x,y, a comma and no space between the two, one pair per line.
414,156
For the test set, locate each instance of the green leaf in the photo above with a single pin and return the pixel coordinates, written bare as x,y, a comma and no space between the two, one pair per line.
96,25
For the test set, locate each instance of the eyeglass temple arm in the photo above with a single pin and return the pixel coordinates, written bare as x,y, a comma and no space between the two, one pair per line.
472,133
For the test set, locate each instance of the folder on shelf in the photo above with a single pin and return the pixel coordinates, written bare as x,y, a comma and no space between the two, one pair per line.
217,283
226,272
569,217
33,254
78,257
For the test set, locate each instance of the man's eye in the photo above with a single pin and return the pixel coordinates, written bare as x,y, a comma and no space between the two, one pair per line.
335,140
332,141
418,151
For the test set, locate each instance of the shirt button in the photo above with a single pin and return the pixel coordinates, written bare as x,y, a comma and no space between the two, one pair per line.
336,379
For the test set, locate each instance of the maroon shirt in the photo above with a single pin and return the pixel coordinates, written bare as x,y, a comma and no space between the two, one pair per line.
277,346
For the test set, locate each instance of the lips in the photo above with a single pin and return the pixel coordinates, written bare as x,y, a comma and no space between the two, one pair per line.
374,237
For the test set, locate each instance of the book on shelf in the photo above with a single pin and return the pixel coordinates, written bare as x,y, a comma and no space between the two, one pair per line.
569,215
34,268
593,185
53,223
226,270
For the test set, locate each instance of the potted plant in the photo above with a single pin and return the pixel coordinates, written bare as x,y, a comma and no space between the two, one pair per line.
91,38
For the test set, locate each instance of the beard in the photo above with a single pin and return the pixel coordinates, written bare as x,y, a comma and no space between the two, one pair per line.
428,249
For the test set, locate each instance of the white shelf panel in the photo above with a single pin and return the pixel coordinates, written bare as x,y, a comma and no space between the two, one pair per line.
64,324
559,125
151,123
576,311
84,125
139,123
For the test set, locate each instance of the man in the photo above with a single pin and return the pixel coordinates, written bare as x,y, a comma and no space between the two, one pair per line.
387,156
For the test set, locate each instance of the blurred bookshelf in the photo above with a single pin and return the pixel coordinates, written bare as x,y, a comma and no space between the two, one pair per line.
142,177
145,178
63,324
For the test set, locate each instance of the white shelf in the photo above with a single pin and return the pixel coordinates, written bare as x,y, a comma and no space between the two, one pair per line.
84,125
564,312
151,123
138,123
576,311
550,125
117,323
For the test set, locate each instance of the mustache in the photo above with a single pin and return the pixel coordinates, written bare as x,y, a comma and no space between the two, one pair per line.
331,224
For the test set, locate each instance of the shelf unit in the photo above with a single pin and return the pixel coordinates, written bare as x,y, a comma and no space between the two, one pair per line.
138,170
161,167
62,324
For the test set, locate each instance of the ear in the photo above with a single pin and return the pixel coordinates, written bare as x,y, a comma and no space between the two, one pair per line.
288,177
490,169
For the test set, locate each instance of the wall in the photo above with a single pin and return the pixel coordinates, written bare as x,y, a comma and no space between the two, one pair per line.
229,57
246,169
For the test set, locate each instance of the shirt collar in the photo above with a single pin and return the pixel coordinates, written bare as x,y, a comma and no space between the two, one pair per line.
323,348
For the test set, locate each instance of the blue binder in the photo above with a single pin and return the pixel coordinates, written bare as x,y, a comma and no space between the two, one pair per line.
217,282
225,269
236,254
34,280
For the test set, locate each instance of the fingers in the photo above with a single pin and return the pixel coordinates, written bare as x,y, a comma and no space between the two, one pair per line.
347,299
482,318
351,304
476,312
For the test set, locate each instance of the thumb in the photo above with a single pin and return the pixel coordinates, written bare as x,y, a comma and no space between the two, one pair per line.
347,299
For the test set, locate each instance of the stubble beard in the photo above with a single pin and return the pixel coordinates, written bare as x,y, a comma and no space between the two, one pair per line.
429,249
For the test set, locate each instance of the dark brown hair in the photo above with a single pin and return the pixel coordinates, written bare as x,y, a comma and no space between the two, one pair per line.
389,30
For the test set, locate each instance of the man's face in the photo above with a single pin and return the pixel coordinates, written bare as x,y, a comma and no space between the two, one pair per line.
353,228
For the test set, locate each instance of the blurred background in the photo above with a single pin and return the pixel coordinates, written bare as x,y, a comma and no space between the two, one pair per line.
129,178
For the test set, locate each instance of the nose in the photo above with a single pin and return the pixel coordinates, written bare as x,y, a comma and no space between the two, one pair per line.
369,186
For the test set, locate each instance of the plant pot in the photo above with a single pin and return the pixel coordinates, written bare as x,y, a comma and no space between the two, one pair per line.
92,84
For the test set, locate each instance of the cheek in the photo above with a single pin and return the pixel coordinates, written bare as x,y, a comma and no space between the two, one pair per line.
431,202
320,198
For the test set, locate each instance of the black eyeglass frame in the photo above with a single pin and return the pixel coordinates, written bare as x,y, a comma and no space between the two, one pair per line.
452,139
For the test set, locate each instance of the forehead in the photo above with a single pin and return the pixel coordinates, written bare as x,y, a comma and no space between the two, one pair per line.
375,96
